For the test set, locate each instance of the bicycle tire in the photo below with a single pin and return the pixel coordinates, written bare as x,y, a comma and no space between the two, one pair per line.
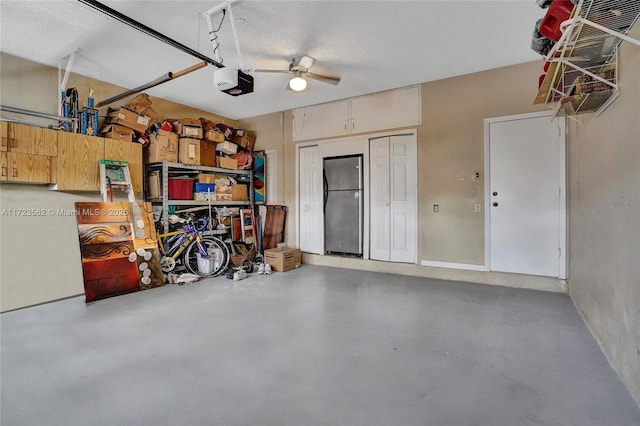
215,247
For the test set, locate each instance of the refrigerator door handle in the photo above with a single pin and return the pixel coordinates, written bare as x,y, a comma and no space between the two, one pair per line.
326,189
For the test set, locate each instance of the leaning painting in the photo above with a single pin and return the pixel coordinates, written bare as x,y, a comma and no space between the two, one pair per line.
119,248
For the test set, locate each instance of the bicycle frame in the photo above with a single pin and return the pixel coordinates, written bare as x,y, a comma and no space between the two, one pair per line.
187,234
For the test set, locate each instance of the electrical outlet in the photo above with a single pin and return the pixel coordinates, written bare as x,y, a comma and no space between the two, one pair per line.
436,208
477,208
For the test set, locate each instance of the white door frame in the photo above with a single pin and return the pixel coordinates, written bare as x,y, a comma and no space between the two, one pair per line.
365,140
562,238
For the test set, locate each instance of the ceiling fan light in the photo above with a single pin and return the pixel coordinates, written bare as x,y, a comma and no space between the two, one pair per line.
297,83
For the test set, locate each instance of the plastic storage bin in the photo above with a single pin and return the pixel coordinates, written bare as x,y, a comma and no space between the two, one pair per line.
180,188
205,187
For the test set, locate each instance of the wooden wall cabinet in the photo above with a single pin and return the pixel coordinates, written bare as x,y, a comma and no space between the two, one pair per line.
78,158
369,113
129,152
28,153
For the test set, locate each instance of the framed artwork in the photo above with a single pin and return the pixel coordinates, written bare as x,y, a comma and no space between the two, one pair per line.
259,176
118,247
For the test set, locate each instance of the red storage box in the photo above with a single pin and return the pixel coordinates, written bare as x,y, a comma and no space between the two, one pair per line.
558,12
180,188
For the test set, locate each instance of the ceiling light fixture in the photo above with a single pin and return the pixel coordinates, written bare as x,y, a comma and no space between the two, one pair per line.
297,83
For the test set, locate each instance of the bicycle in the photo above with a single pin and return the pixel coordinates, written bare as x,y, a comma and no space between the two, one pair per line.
203,255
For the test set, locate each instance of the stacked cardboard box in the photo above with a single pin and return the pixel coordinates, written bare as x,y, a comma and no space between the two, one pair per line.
163,146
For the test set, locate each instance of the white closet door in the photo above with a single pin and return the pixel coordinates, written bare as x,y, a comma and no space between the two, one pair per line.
379,196
311,197
393,195
403,190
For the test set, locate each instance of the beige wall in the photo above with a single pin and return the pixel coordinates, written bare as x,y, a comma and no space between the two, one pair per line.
40,257
604,222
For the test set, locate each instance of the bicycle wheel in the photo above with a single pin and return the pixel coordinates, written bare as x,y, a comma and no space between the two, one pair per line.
215,264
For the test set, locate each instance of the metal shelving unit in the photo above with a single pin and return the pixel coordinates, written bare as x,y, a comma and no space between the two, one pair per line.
583,76
168,169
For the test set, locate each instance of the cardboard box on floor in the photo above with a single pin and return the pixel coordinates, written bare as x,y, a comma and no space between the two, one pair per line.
162,147
283,260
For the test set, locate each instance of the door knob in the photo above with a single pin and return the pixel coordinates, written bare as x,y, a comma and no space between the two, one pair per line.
495,204
495,193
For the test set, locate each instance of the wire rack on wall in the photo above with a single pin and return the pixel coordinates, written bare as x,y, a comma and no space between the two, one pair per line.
583,65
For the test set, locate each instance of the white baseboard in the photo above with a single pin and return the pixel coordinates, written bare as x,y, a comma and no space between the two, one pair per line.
450,265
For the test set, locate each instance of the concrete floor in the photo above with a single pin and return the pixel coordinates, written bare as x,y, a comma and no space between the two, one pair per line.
313,346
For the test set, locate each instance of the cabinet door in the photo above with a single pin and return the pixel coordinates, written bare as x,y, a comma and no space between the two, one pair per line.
4,170
77,165
32,140
129,152
4,129
321,121
30,168
386,110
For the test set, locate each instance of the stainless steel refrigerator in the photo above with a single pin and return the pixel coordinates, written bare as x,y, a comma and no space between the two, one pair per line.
343,205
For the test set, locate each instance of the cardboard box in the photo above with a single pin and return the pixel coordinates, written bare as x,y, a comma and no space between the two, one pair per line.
239,192
214,136
227,131
204,196
207,153
206,178
153,185
227,163
283,260
245,139
124,117
223,197
227,147
189,151
162,147
119,133
189,128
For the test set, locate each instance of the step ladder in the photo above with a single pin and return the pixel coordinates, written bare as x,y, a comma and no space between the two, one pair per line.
247,228
114,173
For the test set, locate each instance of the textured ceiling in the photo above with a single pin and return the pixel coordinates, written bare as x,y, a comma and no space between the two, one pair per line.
372,45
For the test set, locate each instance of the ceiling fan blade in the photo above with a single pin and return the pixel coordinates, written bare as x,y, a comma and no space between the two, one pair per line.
272,71
324,78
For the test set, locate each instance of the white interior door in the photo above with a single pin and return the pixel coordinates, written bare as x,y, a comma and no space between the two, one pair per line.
403,191
311,219
393,195
380,200
526,196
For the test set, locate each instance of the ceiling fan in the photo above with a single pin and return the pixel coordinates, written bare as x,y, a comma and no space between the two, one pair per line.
299,67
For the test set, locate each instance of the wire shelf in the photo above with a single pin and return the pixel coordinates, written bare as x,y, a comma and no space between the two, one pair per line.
583,70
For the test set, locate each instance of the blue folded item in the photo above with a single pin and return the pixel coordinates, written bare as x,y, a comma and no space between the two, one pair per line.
204,187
